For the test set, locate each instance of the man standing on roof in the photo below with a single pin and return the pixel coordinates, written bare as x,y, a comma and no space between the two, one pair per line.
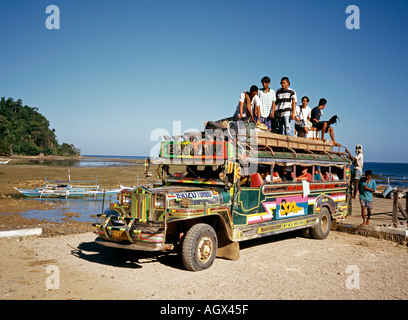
303,115
286,108
358,162
267,97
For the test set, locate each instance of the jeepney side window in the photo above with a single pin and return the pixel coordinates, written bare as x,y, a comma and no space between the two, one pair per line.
337,173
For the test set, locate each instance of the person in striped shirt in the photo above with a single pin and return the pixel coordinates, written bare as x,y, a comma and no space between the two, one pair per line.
286,108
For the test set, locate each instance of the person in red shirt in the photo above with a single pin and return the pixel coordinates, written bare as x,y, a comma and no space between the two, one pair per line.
305,175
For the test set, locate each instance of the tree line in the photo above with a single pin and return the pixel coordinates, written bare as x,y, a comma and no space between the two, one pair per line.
25,131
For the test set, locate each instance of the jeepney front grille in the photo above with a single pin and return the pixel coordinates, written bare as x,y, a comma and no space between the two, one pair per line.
142,206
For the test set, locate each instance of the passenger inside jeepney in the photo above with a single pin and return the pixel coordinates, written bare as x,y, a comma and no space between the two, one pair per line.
256,180
332,173
305,175
287,174
266,174
326,174
276,173
318,174
337,173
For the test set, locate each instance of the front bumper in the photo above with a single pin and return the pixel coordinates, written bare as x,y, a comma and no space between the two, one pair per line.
119,232
139,246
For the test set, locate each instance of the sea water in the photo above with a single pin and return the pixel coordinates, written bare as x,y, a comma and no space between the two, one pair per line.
80,210
88,161
395,173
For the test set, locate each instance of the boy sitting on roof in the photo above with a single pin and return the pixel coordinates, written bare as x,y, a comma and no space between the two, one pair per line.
324,126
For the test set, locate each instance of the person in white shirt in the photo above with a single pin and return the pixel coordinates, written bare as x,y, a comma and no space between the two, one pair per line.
267,97
358,163
303,115
248,104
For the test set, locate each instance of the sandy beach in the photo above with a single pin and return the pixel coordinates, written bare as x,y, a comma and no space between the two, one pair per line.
287,266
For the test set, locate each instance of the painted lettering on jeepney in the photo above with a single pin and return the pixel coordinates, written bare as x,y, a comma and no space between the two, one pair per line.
193,195
291,206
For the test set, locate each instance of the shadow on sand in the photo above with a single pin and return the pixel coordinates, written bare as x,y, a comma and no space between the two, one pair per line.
122,258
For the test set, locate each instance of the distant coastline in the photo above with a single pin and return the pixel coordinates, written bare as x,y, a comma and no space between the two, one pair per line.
115,157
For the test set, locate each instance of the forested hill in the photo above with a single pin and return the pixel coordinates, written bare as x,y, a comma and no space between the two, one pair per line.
25,131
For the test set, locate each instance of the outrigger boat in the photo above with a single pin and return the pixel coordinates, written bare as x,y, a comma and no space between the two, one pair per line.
66,189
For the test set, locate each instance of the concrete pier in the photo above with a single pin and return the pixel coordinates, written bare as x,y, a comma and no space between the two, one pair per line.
381,221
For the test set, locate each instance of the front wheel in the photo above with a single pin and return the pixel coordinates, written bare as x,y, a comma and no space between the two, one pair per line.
199,247
322,228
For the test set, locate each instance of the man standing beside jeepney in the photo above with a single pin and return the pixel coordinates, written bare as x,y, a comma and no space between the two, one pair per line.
358,162
267,97
286,108
367,187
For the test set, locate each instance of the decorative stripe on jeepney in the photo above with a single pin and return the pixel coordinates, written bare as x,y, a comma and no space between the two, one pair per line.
338,198
149,237
259,218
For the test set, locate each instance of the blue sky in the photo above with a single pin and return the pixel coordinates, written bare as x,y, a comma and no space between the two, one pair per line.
117,70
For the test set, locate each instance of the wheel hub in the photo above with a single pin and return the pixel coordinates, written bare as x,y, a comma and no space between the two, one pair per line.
205,248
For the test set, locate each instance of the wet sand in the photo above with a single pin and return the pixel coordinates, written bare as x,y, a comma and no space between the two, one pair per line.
20,174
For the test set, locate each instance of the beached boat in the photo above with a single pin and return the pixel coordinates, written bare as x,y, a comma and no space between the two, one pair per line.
68,189
4,161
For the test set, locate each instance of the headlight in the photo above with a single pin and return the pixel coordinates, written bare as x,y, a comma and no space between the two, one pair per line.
159,202
125,199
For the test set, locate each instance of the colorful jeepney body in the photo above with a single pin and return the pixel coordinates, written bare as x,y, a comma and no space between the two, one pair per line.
207,202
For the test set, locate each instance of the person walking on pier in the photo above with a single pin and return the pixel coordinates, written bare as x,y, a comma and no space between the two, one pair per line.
367,187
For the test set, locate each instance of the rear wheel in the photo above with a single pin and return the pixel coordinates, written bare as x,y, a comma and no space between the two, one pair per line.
322,228
199,247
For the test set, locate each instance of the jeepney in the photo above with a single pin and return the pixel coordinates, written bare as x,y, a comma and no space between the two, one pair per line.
211,196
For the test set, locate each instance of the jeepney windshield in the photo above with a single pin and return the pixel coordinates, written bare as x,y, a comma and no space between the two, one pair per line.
192,172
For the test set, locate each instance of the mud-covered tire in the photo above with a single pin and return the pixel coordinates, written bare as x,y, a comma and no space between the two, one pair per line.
322,228
199,247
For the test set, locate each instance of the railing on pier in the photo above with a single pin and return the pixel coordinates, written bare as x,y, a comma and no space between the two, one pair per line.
397,206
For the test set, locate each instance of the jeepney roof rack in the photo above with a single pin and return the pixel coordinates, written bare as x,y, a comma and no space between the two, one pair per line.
267,140
247,140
